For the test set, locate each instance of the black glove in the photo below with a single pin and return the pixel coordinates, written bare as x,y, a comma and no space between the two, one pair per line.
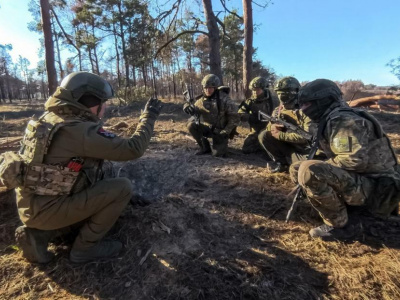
153,105
189,110
253,119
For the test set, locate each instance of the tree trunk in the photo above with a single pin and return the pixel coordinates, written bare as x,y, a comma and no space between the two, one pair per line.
58,50
8,85
124,52
49,46
248,45
117,55
213,40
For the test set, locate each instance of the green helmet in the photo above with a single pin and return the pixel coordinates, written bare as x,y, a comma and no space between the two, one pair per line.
287,84
319,89
210,80
85,83
258,82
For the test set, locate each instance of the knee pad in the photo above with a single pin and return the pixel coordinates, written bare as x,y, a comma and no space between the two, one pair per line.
309,170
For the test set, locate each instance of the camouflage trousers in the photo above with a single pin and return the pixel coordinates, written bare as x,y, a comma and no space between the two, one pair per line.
98,206
329,189
283,152
201,132
251,143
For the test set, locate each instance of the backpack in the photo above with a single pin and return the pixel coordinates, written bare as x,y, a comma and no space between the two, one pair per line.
11,169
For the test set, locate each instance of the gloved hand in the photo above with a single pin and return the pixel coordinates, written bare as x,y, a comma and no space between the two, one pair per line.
153,105
253,118
276,129
215,130
187,108
221,132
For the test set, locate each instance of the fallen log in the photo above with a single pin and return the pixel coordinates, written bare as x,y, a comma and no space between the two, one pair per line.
380,100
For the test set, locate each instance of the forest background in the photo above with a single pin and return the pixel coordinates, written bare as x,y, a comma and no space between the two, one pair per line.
140,46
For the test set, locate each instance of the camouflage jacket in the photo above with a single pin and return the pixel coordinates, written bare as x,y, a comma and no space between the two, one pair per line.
224,117
296,117
252,106
354,140
84,138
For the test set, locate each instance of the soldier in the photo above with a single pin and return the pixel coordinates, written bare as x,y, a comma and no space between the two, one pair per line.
248,112
361,169
63,151
217,117
285,147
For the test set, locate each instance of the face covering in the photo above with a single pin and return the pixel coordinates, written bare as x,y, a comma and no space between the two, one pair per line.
288,99
317,108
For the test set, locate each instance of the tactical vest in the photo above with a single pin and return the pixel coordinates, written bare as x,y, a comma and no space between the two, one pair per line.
40,178
382,157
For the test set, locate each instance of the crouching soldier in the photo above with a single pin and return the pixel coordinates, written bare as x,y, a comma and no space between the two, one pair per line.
216,117
361,170
282,146
248,111
63,151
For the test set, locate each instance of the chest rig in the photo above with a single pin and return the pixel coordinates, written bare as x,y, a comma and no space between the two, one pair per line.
40,178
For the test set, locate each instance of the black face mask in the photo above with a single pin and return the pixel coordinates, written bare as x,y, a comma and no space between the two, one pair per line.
288,99
317,108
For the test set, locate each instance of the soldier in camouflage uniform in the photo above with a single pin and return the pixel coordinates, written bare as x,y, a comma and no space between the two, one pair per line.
217,117
248,112
63,151
361,169
285,147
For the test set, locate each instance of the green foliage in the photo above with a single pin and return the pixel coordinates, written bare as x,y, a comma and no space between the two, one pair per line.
232,47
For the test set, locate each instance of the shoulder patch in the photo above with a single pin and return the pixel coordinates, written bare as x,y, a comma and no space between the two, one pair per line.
106,133
342,144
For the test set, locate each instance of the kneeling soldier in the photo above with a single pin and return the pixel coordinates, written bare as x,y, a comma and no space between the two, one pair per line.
217,117
63,151
282,146
361,169
248,111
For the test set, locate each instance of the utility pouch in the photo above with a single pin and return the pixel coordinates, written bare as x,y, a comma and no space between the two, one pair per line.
49,180
11,169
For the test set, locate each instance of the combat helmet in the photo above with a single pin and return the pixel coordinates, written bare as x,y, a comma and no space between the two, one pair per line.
320,89
210,80
321,95
287,83
258,82
85,83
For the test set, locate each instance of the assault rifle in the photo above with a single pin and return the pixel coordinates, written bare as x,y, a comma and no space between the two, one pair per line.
189,98
263,117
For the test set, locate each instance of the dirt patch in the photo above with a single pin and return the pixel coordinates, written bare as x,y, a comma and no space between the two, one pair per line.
215,230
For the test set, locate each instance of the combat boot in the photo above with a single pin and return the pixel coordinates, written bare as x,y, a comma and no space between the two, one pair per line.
205,147
329,233
103,249
33,243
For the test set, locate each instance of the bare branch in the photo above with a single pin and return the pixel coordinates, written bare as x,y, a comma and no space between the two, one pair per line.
262,5
223,2
62,29
176,37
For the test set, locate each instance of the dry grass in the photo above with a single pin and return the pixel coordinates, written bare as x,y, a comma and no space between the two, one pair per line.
216,230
